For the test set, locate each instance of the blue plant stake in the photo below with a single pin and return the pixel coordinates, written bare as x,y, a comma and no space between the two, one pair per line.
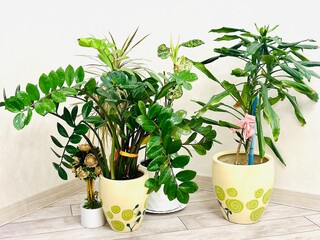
251,152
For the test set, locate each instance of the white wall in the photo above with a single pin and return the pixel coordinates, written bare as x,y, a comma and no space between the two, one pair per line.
37,36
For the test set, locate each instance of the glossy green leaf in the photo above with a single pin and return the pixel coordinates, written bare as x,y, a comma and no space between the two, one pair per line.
28,118
40,108
186,175
44,83
142,108
58,97
49,105
67,117
188,187
150,183
303,88
68,158
62,173
191,138
192,43
55,153
63,132
147,125
79,74
270,143
174,147
75,139
86,109
163,51
14,104
62,77
154,110
227,30
56,142
71,149
199,149
90,86
81,129
154,151
165,90
66,165
68,91
155,164
180,161
294,103
165,175
54,80
296,75
24,97
33,92
19,121
253,48
310,63
182,196
69,75
74,112
203,69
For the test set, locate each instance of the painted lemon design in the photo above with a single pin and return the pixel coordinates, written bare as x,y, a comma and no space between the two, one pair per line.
219,193
258,193
127,214
266,196
257,214
234,205
232,192
117,226
115,209
253,204
109,215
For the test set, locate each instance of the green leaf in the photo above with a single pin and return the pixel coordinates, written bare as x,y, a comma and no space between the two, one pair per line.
155,164
63,132
49,105
147,125
199,149
14,104
310,63
55,153
54,80
296,75
81,129
192,43
44,83
79,74
28,118
142,108
86,109
180,161
69,75
186,175
185,76
231,88
253,48
174,147
260,136
67,117
40,108
188,187
294,103
178,117
66,165
227,30
62,173
165,175
204,70
191,138
150,183
19,121
75,139
90,86
61,75
58,97
182,196
165,90
273,118
68,158
74,112
24,97
56,142
154,110
303,88
270,143
71,149
163,51
228,38
68,91
33,92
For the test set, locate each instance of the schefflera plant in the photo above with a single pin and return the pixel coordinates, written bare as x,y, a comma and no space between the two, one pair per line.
171,131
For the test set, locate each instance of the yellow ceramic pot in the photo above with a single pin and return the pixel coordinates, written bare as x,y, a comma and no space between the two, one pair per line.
124,202
243,191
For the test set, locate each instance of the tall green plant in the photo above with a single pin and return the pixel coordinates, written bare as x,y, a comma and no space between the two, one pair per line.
273,70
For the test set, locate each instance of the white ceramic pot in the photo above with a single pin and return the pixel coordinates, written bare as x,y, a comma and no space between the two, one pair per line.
92,218
242,191
159,203
124,202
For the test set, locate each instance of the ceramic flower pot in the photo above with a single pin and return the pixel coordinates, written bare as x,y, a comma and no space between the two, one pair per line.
124,202
243,191
158,202
92,218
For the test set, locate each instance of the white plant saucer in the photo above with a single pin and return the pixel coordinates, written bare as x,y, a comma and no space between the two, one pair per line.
182,206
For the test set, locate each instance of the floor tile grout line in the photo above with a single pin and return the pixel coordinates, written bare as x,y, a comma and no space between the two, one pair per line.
71,210
306,217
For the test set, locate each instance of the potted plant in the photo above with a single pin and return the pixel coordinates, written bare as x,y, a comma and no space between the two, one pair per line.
272,71
86,167
117,110
179,80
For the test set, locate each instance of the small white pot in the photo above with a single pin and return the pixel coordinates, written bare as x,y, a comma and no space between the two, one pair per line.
92,218
158,202
243,191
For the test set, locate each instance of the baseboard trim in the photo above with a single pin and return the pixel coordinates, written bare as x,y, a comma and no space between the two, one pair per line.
31,204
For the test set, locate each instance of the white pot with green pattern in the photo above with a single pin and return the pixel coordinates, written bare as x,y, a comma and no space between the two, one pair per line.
124,202
243,191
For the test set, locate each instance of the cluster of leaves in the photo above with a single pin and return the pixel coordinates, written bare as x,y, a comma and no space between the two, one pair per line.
166,128
273,70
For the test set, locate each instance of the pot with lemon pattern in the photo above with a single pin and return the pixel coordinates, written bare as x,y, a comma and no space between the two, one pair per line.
243,192
124,202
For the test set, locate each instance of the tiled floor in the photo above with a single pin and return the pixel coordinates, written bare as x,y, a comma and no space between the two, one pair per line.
201,219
